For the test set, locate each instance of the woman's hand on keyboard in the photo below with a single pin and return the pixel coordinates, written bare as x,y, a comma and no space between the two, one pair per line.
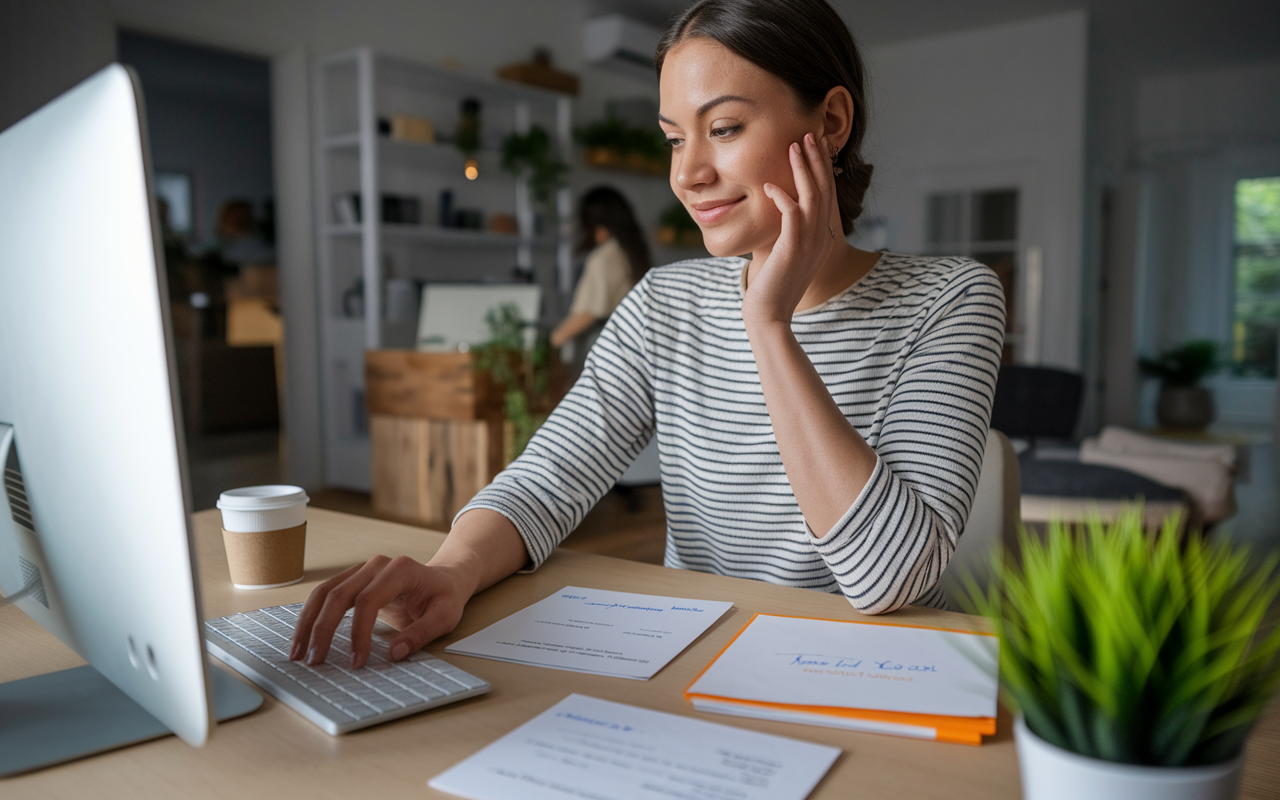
424,601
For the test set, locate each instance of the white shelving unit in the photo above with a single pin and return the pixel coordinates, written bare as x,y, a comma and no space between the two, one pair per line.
353,89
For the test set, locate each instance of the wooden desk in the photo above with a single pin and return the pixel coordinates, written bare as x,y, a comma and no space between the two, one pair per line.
275,753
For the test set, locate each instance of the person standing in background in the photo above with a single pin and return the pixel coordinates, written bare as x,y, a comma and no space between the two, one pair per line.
618,259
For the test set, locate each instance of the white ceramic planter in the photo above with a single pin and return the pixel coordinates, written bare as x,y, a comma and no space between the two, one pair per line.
1051,773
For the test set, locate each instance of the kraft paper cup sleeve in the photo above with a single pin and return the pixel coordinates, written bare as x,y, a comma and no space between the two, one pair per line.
265,559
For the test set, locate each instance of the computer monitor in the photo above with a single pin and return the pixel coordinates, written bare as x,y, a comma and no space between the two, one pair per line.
96,501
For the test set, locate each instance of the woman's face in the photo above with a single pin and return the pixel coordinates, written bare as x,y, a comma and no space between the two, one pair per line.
729,123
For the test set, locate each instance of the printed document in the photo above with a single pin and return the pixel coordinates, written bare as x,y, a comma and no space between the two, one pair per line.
593,630
861,665
585,747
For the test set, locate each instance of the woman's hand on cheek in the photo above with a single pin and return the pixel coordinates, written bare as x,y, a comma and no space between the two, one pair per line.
805,240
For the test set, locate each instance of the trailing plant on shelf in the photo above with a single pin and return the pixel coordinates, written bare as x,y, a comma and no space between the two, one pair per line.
522,373
530,154
1129,648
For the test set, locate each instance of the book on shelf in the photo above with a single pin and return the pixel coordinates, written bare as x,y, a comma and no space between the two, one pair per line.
925,683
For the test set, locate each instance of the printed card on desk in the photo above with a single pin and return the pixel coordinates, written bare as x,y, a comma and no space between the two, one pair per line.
585,747
593,630
886,678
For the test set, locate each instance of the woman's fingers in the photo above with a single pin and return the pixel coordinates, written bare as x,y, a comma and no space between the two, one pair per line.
441,616
311,610
336,603
399,576
802,172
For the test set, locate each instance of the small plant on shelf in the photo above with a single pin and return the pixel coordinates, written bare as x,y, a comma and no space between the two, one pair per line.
613,143
1183,402
523,374
1126,647
1184,365
530,154
677,229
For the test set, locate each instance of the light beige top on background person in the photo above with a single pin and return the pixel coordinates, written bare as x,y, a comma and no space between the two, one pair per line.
606,279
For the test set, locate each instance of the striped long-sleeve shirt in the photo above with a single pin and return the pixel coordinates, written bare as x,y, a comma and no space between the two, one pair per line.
910,355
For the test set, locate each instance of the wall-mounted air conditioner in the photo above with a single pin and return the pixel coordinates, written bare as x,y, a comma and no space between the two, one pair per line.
621,44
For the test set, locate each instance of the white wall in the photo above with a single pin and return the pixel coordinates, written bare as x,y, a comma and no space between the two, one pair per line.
990,107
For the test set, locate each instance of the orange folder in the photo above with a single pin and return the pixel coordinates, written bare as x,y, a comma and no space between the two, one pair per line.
942,728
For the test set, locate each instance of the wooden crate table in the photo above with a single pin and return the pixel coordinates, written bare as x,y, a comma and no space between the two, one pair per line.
436,431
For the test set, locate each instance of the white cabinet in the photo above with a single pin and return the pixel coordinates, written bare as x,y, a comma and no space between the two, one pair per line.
364,262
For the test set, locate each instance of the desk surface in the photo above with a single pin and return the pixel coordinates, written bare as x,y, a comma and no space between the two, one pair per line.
275,753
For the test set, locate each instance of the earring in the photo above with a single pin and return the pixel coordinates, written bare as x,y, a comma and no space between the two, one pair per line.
835,169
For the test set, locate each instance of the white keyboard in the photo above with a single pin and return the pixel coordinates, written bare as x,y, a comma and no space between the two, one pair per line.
332,695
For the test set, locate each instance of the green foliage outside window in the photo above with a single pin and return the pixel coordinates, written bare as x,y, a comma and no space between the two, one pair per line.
1257,278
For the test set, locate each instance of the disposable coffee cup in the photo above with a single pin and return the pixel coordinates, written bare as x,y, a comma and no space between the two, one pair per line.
264,529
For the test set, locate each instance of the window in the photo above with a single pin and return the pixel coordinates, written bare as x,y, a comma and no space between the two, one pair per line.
1256,316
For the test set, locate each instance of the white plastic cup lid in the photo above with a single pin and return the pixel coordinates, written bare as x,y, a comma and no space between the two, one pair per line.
262,498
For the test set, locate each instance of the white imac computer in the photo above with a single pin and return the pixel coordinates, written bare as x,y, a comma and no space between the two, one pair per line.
95,537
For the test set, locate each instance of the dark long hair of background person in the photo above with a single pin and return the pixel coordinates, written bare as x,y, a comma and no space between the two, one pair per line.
808,46
605,206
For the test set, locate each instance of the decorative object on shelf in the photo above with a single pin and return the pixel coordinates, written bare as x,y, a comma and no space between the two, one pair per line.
540,72
501,222
1137,664
468,136
396,209
530,154
677,229
445,209
615,143
521,373
1184,404
406,128
353,299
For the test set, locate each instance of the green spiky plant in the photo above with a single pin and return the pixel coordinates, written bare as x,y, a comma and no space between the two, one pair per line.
523,374
1132,648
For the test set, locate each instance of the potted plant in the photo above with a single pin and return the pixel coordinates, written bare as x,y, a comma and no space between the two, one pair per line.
677,229
613,143
530,154
1183,402
526,376
1136,664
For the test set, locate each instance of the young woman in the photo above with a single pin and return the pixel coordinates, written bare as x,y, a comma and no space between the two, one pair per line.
821,411
618,259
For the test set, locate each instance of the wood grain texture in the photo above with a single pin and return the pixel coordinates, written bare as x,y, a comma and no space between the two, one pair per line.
426,470
275,753
407,383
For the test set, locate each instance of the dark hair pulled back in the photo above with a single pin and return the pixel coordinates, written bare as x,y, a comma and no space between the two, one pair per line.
605,207
806,44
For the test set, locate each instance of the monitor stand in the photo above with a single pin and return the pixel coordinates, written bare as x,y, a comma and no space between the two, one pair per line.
48,719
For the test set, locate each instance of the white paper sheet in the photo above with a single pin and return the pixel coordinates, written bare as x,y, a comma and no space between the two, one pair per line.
583,747
857,665
593,630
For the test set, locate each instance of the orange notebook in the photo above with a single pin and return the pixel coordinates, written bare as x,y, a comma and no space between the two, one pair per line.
904,680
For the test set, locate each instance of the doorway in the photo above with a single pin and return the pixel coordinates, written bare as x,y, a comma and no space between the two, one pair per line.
209,124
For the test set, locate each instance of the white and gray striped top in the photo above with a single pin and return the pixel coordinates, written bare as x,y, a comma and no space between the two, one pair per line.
910,354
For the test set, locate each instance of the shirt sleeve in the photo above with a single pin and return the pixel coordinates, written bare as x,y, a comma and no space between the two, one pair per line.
891,546
588,441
